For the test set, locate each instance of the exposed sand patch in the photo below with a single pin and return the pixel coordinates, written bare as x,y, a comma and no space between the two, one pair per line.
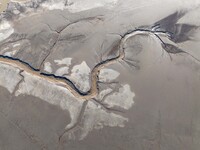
80,75
95,117
78,5
51,5
103,93
123,98
108,75
5,30
81,5
62,71
47,67
10,54
64,61
16,45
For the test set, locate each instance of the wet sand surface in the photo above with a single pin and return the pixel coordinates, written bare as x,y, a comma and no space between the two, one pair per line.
106,75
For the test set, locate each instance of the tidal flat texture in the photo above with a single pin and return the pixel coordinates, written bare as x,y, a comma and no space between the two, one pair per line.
100,75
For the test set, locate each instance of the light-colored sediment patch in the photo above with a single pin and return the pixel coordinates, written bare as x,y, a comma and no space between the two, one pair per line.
78,5
53,4
51,93
64,61
9,77
108,75
80,74
122,99
19,1
5,49
5,30
81,5
103,93
95,117
10,54
47,67
61,71
16,45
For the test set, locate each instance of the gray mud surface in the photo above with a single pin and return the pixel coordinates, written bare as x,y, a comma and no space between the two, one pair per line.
147,90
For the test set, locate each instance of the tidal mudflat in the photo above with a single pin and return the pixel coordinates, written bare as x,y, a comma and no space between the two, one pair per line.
103,75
